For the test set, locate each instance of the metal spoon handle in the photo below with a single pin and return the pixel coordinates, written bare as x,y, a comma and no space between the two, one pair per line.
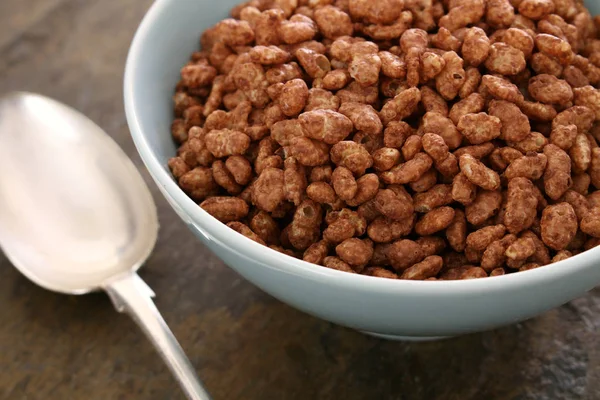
130,294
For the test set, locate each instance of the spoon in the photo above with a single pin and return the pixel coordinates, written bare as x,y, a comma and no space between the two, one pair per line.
76,216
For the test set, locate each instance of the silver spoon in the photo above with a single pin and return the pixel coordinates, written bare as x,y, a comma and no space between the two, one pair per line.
76,216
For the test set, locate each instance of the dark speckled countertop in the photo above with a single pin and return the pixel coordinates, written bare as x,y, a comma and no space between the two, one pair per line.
244,344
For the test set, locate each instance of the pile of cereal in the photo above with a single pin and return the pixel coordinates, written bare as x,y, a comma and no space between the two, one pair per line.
411,139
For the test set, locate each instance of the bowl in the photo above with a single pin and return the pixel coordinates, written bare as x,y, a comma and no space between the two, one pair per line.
399,309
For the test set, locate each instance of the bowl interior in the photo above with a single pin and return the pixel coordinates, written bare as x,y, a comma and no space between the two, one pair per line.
163,43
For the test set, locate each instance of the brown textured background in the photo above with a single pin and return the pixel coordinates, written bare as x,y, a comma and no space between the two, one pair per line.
244,344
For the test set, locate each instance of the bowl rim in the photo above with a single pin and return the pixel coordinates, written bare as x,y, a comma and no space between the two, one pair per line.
250,249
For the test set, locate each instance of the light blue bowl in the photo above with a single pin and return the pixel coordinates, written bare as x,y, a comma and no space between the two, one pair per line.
394,308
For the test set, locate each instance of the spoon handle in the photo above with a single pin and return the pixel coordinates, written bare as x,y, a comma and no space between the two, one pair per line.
130,294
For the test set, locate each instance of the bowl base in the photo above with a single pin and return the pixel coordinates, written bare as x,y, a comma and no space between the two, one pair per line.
406,338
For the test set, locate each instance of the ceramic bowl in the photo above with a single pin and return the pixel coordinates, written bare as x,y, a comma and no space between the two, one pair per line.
389,308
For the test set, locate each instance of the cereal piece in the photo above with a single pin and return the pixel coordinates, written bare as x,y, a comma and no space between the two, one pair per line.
305,227
224,179
521,249
437,196
534,141
344,184
336,263
482,238
394,206
590,224
268,189
559,225
298,29
425,182
268,55
355,252
549,89
581,153
283,73
319,99
396,133
433,102
581,183
500,13
478,151
401,106
333,22
178,167
351,155
505,60
544,64
309,152
294,178
316,252
357,93
563,136
431,245
409,171
326,125
240,169
435,146
514,124
246,231
384,230
198,183
501,89
474,103
321,192
476,46
380,254
538,111
338,231
463,191
427,268
557,177
554,47
293,98
434,221
197,75
530,166
450,80
335,80
478,173
379,272
251,80
433,122
414,38
368,185
225,209
391,65
561,256
316,65
388,32
589,97
472,81
385,158
579,203
520,205
486,205
265,227
473,273
479,128
404,253
363,116
456,233
494,255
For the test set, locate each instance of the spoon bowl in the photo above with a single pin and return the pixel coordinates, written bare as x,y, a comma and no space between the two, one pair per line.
76,216
74,211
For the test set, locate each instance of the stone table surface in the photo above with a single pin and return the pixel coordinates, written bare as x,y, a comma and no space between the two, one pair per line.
244,344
